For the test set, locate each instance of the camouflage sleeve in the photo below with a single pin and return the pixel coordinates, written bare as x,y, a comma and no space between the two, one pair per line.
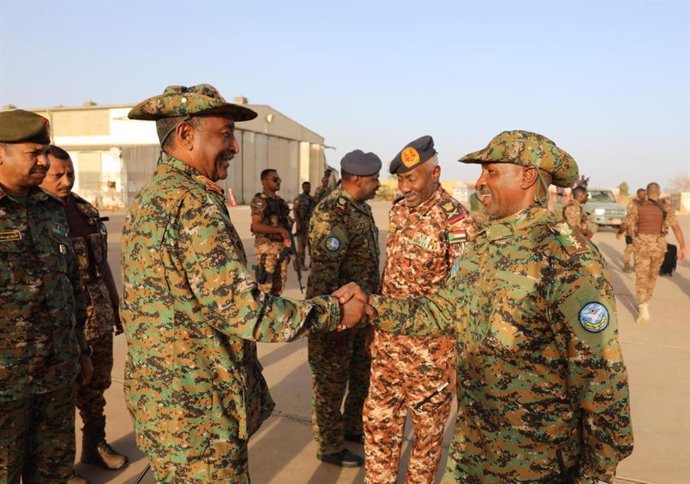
572,216
258,205
631,218
585,326
329,242
671,219
432,315
79,299
228,294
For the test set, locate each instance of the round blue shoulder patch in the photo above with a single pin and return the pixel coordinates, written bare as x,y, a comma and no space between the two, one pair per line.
594,317
332,243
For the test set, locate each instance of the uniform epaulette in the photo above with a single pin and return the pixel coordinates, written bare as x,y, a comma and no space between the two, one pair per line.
341,204
453,211
573,241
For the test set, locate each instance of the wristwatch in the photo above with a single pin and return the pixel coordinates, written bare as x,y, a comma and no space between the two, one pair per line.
88,351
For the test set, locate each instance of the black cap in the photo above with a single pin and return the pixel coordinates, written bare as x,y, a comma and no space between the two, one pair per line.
413,154
360,163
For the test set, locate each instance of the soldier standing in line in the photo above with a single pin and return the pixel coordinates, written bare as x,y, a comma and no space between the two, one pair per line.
623,229
648,224
574,213
542,387
303,207
42,313
190,308
324,190
426,234
271,225
89,239
344,247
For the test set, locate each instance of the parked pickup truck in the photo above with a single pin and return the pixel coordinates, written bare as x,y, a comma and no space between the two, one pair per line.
603,210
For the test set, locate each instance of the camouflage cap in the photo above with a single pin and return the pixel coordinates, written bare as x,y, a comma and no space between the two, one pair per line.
413,154
189,101
528,149
19,126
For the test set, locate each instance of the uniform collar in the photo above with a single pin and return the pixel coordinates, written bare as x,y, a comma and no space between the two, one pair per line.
193,173
516,224
34,194
269,194
340,191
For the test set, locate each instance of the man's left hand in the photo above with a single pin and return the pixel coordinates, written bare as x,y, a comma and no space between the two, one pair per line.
86,370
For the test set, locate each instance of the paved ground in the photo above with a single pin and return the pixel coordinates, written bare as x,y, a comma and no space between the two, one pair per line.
283,452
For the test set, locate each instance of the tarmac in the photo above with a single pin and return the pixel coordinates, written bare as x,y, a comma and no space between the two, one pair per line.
283,451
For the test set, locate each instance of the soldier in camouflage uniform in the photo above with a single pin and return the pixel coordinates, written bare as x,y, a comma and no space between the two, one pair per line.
42,313
303,207
191,310
344,248
648,223
89,239
324,190
426,234
271,225
623,229
574,213
542,387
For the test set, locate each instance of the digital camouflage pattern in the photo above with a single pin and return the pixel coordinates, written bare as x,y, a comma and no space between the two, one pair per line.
540,370
186,101
525,148
303,207
273,211
191,312
575,216
344,247
321,193
41,332
649,249
413,374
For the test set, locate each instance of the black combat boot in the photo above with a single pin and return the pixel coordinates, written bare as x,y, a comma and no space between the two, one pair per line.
95,450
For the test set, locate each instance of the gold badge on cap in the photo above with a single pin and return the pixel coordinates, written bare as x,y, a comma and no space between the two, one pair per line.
409,156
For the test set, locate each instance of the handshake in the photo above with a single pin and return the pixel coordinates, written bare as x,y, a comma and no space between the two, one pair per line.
354,306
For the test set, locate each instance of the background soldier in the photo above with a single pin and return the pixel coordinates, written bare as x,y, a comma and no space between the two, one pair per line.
544,391
574,213
89,239
648,224
303,207
426,234
324,190
271,225
42,346
344,248
623,229
193,383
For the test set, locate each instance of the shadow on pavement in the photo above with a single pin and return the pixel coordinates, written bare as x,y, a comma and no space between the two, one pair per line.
626,298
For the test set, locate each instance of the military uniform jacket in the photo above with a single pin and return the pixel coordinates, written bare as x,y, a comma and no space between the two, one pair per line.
89,238
41,297
574,215
303,207
321,193
344,245
541,368
189,307
274,211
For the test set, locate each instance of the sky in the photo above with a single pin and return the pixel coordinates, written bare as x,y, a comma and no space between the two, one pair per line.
608,81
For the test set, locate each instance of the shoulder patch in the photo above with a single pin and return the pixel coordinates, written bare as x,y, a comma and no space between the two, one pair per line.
332,243
594,317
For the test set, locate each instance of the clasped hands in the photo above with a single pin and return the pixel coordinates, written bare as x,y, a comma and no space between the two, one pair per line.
354,306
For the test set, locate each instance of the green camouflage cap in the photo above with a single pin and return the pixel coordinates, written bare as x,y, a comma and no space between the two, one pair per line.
189,101
19,126
528,149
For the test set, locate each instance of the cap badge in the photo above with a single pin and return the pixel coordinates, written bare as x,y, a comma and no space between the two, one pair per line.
409,156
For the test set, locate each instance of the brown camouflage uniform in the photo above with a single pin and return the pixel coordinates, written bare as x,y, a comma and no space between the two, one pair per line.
303,207
274,212
41,332
413,374
650,245
321,193
542,387
344,248
574,215
193,383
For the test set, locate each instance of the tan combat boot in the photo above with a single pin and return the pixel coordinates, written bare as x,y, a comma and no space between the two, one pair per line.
644,317
95,450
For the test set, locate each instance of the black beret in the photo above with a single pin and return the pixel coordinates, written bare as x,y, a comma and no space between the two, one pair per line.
19,126
360,163
413,154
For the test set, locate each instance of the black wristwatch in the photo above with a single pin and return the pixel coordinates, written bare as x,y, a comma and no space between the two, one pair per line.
88,351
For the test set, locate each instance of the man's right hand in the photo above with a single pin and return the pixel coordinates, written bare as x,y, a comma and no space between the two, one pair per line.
287,242
349,291
353,312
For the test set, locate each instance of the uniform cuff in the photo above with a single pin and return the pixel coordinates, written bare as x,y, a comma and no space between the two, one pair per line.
325,315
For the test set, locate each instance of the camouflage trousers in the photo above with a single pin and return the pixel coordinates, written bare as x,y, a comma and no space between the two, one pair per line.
221,462
302,248
339,362
628,254
37,437
649,255
268,253
90,398
408,375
